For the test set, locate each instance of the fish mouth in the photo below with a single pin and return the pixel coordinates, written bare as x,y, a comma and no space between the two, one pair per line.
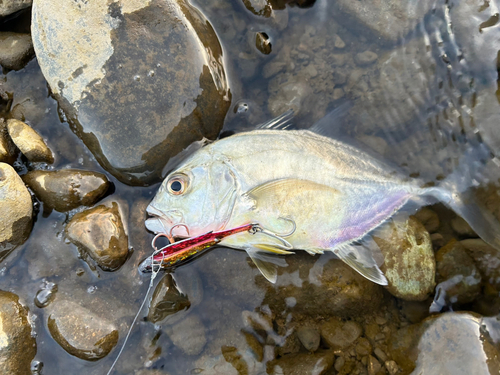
161,222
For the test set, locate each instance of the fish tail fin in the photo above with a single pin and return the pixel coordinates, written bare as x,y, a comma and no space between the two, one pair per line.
458,193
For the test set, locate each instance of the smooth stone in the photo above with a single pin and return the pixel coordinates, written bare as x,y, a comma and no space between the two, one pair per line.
363,347
29,142
99,232
263,8
462,228
302,363
16,210
16,50
11,6
339,43
67,189
80,332
139,89
365,58
167,300
389,20
340,335
17,344
309,337
429,219
7,148
409,263
458,277
486,259
188,335
45,294
374,366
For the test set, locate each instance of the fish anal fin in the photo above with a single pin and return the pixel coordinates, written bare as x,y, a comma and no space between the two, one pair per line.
266,264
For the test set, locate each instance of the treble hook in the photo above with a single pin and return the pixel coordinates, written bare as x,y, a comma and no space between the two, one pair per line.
168,235
258,229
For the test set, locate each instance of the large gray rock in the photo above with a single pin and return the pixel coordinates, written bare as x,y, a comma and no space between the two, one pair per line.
16,210
136,86
18,346
10,6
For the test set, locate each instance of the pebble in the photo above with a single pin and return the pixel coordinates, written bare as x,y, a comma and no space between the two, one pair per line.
99,232
67,189
11,6
409,259
188,335
29,142
380,355
302,363
462,228
338,42
16,210
429,219
340,335
392,367
80,332
459,279
16,50
263,43
486,259
17,344
45,294
339,363
338,93
7,148
365,58
374,366
309,337
363,347
167,300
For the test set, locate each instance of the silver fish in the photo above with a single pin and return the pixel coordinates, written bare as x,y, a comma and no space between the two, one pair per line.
306,191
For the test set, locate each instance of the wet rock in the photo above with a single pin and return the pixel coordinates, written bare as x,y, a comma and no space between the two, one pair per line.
259,7
365,58
363,347
80,332
138,90
459,279
462,228
263,43
188,335
46,294
389,20
302,363
429,219
7,148
29,142
309,337
15,50
67,189
167,300
340,335
18,346
409,259
10,6
486,258
16,210
374,366
416,311
99,232
339,43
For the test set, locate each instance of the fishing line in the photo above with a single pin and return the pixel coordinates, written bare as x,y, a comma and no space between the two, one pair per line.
153,276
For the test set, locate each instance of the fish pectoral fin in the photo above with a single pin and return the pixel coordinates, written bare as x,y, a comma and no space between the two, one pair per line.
267,264
275,249
359,258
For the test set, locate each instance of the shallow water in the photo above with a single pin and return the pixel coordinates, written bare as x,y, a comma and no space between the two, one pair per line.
431,85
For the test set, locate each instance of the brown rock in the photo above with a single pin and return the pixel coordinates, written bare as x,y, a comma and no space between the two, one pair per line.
429,219
16,50
486,258
80,332
409,259
16,210
67,189
29,142
309,337
99,232
18,346
340,335
167,300
302,363
462,228
7,148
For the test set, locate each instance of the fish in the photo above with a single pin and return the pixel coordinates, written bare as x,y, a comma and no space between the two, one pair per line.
307,191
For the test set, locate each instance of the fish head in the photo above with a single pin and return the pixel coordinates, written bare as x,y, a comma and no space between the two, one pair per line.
194,199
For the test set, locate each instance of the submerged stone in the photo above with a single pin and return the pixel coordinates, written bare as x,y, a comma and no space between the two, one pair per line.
16,50
409,263
302,363
99,232
80,332
146,81
167,300
16,209
67,189
340,335
29,142
17,345
188,335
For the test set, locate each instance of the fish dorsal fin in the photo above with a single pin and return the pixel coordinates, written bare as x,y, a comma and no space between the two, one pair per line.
364,258
331,124
266,264
282,122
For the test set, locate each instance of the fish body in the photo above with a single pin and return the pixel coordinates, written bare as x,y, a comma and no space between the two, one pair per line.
309,192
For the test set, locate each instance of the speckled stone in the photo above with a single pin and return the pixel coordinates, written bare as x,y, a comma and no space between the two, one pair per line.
139,89
16,209
17,345
80,332
29,142
99,232
67,189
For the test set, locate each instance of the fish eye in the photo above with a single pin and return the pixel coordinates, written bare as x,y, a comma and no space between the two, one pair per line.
177,184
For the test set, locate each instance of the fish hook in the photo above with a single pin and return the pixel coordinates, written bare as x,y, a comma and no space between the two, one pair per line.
168,235
178,225
258,229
